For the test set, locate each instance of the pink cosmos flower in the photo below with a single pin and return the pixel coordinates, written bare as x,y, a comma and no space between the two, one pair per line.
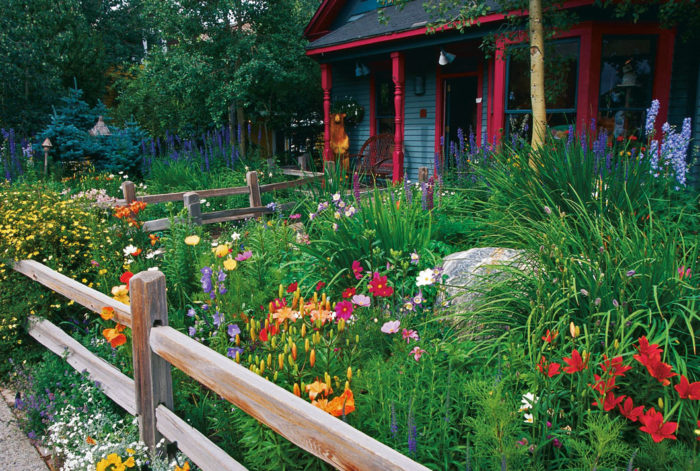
409,334
391,327
244,256
361,300
357,269
295,216
417,352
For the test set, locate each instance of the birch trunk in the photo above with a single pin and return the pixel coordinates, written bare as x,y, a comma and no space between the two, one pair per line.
539,112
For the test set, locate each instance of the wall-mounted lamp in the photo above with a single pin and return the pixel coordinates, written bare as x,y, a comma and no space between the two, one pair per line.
361,70
419,85
446,57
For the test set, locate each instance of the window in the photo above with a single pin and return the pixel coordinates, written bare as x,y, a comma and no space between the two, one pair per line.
561,82
384,114
626,81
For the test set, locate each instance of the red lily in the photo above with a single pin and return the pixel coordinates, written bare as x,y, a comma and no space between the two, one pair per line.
661,371
610,401
550,370
603,387
614,366
349,293
550,336
653,424
647,352
319,285
126,276
575,363
628,410
687,390
292,288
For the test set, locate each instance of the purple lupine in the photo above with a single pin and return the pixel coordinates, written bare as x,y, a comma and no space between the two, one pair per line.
239,134
430,189
436,161
394,427
356,185
460,138
250,129
424,196
412,434
570,136
472,142
408,194
652,113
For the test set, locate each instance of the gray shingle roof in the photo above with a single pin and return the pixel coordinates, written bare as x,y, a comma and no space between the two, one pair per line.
367,25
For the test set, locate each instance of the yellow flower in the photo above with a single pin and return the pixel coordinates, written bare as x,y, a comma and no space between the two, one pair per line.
107,313
129,463
221,250
192,240
120,293
230,264
185,467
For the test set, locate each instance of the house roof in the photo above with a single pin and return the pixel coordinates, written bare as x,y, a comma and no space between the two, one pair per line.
367,25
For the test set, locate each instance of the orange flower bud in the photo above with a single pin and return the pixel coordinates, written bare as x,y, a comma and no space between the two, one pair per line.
306,345
297,391
294,351
303,331
312,357
280,361
349,374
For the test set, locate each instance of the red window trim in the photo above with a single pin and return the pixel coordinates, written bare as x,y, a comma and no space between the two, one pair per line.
591,37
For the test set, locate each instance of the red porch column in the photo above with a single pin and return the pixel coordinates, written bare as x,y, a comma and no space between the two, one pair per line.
326,83
397,75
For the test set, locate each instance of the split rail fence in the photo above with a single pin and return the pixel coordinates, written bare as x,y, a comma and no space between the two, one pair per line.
192,199
149,395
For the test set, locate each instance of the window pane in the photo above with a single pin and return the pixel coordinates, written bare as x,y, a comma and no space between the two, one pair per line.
561,62
385,95
626,81
519,125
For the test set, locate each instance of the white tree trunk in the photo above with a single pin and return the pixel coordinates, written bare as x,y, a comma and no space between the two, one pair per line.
539,111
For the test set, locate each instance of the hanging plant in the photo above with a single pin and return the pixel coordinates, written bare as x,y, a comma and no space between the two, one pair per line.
354,112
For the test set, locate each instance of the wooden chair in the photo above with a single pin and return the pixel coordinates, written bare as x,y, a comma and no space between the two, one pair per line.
376,156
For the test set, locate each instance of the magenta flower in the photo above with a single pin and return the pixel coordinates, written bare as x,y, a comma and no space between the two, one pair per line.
343,310
244,256
361,300
357,269
295,216
409,334
391,327
417,352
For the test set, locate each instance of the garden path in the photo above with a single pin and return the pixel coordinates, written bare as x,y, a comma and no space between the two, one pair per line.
16,451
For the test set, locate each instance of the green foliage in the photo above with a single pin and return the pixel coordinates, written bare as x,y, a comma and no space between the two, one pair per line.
45,46
371,229
71,141
599,446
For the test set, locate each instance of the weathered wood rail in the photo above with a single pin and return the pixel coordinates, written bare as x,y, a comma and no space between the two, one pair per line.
149,396
191,199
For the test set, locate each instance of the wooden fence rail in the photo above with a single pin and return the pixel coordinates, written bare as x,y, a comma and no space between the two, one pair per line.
192,199
156,347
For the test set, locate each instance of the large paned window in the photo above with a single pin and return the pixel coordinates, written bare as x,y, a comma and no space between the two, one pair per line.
626,83
561,82
385,112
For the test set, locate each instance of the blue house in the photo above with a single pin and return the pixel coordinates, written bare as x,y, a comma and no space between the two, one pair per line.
423,87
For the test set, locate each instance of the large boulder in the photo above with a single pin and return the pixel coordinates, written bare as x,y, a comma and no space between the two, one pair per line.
467,270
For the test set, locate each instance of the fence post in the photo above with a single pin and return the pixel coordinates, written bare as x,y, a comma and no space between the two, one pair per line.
194,208
251,179
422,174
152,376
129,191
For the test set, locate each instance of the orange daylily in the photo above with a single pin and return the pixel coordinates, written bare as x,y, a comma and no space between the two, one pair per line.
114,336
284,313
316,388
343,404
107,313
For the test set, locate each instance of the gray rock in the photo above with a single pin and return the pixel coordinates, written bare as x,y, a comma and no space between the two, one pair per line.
466,271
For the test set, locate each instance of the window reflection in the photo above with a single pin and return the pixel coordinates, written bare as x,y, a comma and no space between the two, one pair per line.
626,84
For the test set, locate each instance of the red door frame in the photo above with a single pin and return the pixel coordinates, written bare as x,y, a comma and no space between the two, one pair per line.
590,52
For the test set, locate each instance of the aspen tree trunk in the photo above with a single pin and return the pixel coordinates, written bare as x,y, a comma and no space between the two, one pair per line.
539,112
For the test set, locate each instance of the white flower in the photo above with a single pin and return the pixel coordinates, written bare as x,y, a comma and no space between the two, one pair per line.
154,269
336,197
129,249
425,278
529,400
337,215
235,236
529,418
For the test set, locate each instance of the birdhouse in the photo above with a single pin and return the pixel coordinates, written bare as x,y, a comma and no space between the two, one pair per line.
100,128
